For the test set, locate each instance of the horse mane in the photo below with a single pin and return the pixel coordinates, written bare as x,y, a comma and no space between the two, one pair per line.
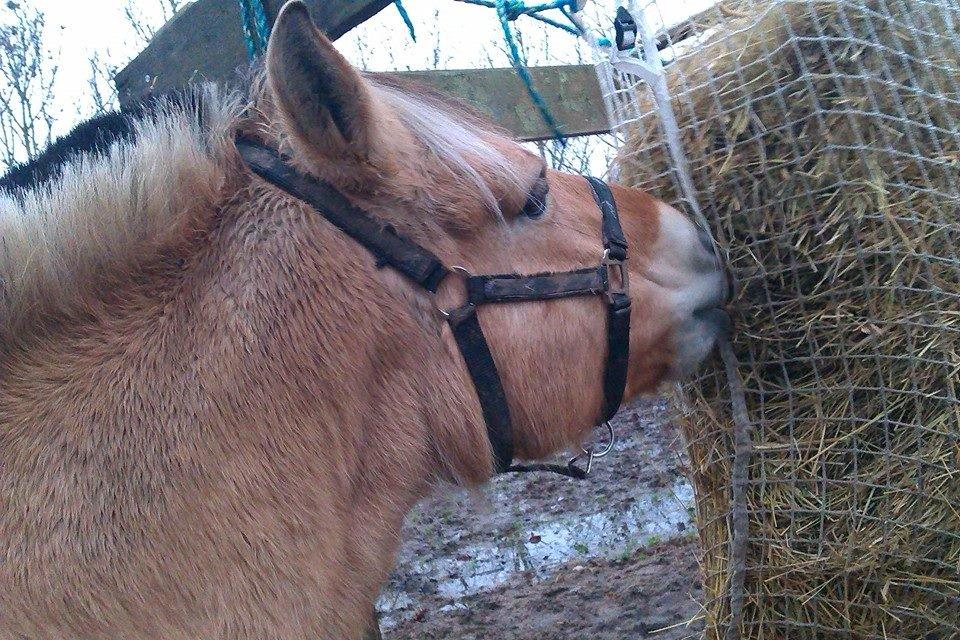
93,136
120,190
454,134
114,193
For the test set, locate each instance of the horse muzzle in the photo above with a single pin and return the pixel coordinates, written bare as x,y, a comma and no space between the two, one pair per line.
688,268
696,334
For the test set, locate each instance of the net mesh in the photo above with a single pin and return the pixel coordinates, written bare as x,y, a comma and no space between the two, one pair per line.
824,151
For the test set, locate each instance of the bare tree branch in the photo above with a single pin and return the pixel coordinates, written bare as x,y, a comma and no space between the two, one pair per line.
103,91
28,72
144,28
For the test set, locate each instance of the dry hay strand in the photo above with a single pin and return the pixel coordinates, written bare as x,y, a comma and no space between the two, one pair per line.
825,150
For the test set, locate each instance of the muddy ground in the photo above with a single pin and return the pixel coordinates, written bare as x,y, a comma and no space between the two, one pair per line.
539,556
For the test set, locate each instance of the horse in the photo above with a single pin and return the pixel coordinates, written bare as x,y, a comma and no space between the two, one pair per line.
216,407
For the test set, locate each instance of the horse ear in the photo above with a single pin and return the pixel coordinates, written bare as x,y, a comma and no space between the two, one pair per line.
324,100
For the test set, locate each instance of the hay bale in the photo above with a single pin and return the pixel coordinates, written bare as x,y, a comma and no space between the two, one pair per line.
825,150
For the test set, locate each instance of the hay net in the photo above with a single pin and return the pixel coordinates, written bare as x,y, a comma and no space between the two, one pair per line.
824,152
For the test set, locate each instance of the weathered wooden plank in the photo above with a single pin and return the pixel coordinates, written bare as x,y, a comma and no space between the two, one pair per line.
571,92
204,41
334,17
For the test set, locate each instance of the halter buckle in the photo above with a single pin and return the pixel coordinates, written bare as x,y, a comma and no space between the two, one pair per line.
617,276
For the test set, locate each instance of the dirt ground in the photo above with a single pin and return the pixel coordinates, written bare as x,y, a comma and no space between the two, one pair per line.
536,556
651,595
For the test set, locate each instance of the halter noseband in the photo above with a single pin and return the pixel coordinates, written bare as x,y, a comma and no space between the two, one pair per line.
608,279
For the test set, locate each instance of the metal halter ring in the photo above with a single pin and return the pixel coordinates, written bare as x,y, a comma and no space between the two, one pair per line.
591,455
460,271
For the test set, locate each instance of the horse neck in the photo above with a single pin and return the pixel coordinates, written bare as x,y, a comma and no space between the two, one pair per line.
276,331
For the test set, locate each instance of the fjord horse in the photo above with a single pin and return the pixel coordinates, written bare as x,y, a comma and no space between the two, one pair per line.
216,408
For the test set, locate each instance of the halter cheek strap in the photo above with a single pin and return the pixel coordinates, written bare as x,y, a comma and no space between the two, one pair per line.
609,279
617,296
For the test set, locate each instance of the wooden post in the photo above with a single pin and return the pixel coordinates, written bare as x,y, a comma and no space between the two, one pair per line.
571,92
204,42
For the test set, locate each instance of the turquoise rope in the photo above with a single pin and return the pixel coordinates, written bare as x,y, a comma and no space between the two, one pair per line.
406,18
256,29
256,33
517,8
508,10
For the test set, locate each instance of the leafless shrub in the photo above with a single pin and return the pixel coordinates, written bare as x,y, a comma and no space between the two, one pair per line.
28,72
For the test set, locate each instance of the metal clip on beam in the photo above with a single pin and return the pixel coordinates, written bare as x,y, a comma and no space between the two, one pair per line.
650,69
626,28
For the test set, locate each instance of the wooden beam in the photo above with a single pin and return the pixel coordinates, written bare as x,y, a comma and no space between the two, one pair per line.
334,17
204,42
571,92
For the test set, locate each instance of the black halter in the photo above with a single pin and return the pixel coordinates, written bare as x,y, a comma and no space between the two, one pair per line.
608,279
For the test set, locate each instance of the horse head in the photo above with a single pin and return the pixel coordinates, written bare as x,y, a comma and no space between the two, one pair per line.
483,202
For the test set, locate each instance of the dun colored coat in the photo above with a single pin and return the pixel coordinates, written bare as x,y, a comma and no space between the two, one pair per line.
215,410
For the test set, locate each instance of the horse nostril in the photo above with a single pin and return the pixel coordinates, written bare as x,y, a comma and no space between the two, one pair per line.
729,284
708,258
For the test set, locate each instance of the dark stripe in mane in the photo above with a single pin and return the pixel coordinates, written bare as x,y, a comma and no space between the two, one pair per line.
93,136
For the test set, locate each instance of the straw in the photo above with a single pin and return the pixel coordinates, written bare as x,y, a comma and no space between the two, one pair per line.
824,147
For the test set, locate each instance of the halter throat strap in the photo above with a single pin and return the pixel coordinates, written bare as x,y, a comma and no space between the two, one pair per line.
609,279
